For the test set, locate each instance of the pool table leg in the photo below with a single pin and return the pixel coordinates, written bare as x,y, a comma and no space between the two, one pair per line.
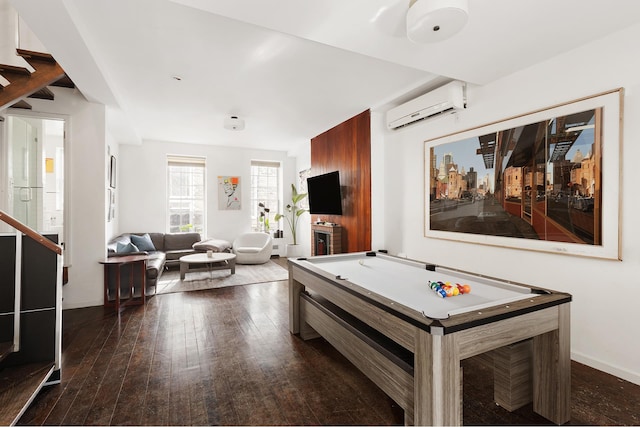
306,331
552,371
512,373
436,380
295,288
408,419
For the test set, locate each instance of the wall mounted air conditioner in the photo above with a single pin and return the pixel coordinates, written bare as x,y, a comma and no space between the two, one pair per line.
445,99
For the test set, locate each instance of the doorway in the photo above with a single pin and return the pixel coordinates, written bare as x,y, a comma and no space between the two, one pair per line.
33,173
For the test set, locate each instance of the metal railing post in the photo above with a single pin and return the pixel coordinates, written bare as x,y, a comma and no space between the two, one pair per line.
18,292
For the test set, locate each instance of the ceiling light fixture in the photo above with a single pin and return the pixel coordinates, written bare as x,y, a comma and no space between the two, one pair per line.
234,123
435,20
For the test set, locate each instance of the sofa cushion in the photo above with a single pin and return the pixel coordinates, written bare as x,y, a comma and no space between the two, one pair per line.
215,245
179,241
112,246
176,254
157,239
247,250
126,248
155,264
143,242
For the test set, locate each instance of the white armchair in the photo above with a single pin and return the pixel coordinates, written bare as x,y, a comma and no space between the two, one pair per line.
253,248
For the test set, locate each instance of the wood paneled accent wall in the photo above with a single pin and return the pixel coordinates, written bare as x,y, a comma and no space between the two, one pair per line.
347,149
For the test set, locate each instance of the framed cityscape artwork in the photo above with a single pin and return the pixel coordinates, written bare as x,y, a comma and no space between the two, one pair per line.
547,180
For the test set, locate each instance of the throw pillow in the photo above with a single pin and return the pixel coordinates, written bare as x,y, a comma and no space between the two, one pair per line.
143,242
126,248
215,245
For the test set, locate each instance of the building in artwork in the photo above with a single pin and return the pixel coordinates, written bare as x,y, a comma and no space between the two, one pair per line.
513,183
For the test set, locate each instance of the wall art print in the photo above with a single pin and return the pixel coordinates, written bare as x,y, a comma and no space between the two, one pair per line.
547,181
111,204
302,186
229,195
112,172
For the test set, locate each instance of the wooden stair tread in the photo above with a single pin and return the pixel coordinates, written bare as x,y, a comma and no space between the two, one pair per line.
12,69
14,74
18,387
45,74
43,93
24,83
36,56
64,82
22,104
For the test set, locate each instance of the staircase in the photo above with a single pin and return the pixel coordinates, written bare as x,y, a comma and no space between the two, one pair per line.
31,272
24,83
30,268
30,317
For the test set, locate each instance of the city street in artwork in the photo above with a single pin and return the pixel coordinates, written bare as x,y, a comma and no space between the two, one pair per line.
541,179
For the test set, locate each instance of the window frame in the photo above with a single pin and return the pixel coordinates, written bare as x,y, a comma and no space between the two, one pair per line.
191,199
256,196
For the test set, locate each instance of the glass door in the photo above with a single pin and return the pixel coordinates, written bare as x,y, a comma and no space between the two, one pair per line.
35,172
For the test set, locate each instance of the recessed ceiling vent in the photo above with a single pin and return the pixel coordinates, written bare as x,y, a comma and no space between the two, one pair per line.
234,123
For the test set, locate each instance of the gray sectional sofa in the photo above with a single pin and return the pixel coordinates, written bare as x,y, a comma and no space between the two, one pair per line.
164,250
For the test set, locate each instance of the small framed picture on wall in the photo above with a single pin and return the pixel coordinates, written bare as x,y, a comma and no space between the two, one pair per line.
112,172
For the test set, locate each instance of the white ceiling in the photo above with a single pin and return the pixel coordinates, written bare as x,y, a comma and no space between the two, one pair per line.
291,69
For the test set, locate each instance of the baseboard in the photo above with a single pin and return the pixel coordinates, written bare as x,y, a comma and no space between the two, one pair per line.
70,306
633,377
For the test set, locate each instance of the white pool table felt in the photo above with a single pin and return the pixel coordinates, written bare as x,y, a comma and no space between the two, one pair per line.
409,284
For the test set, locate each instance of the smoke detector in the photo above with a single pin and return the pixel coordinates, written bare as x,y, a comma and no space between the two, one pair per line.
234,123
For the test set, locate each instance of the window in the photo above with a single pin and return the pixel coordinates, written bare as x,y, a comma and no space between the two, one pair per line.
186,194
265,189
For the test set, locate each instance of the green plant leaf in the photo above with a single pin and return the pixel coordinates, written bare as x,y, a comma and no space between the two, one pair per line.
298,197
295,211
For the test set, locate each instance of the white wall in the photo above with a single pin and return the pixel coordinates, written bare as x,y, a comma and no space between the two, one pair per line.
379,231
142,176
606,294
303,162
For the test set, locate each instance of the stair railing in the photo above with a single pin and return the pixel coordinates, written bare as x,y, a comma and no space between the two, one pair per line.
28,231
25,229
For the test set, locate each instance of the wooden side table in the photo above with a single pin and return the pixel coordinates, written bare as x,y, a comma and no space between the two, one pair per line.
138,266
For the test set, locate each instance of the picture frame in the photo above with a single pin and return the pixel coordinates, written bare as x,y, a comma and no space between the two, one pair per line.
229,193
112,172
547,180
302,186
109,205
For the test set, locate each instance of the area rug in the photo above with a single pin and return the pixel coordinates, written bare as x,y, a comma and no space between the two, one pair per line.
245,275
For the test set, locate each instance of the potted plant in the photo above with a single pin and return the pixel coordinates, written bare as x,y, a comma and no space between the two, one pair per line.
292,215
263,218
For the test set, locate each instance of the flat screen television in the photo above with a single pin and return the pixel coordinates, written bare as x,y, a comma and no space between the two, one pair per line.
324,194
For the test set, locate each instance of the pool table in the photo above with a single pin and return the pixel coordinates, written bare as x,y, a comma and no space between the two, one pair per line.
379,311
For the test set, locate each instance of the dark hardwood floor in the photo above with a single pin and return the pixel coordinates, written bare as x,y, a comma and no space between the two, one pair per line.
225,356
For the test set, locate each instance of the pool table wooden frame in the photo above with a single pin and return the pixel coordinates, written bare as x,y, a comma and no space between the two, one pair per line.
352,319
